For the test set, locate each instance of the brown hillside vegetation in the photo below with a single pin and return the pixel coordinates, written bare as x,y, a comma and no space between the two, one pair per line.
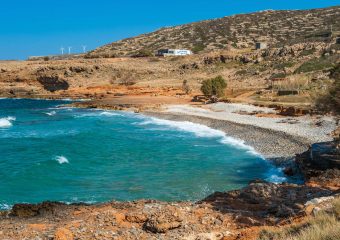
239,31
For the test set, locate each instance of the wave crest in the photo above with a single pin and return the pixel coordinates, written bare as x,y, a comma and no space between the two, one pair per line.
52,113
202,131
61,160
6,122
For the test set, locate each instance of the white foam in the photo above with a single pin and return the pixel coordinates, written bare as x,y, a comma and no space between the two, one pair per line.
5,206
96,113
276,175
6,122
201,131
61,160
276,179
51,113
109,114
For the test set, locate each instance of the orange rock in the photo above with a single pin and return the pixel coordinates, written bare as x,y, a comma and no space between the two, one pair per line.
77,212
309,209
63,234
37,227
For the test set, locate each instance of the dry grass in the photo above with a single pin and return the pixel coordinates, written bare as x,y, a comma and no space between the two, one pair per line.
299,82
324,226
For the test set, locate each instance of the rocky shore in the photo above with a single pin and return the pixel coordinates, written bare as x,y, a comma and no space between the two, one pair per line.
238,214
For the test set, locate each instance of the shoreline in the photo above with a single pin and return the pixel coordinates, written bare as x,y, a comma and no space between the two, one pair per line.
224,214
269,143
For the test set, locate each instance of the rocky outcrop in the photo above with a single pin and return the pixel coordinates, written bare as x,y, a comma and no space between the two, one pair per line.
165,220
321,165
222,215
263,203
53,83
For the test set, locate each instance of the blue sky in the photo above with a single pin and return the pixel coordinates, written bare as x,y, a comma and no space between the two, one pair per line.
41,27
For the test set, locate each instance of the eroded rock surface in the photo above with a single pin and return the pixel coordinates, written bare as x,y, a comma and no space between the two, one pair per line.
222,215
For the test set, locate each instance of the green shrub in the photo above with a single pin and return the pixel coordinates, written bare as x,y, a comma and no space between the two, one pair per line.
198,48
241,72
278,75
143,53
329,101
307,52
316,64
234,45
283,65
214,86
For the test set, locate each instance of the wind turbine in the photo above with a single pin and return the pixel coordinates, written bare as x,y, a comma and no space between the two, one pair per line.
84,48
69,50
62,50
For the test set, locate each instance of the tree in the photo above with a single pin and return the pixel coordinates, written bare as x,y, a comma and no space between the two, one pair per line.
214,86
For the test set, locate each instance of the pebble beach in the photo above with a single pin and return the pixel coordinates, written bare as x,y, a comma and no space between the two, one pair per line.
272,137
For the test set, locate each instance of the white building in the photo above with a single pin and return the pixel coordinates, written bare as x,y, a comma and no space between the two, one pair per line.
173,52
261,45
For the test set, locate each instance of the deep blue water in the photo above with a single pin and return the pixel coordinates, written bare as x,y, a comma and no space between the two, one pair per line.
52,152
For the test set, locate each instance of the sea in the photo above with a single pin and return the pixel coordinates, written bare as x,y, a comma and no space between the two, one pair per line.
50,151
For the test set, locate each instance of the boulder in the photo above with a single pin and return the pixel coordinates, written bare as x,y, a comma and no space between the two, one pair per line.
136,217
163,221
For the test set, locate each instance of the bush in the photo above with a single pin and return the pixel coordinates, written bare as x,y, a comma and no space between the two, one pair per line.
278,75
330,100
283,65
214,87
241,72
316,64
127,81
143,53
307,52
198,48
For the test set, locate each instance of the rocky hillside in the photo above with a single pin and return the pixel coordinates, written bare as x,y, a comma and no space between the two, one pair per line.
239,31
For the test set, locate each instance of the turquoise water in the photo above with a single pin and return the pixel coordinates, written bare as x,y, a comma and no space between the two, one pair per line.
52,152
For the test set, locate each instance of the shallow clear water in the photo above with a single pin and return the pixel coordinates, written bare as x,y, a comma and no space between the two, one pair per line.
48,152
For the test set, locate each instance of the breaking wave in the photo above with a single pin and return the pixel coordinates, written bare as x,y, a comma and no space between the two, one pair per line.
6,122
200,130
108,114
51,113
61,160
97,113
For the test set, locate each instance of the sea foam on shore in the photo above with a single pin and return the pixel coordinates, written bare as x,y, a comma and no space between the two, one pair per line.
200,130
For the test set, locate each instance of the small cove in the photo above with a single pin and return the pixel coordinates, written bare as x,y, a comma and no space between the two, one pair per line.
53,152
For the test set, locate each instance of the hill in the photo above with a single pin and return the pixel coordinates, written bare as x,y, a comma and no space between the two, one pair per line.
238,31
